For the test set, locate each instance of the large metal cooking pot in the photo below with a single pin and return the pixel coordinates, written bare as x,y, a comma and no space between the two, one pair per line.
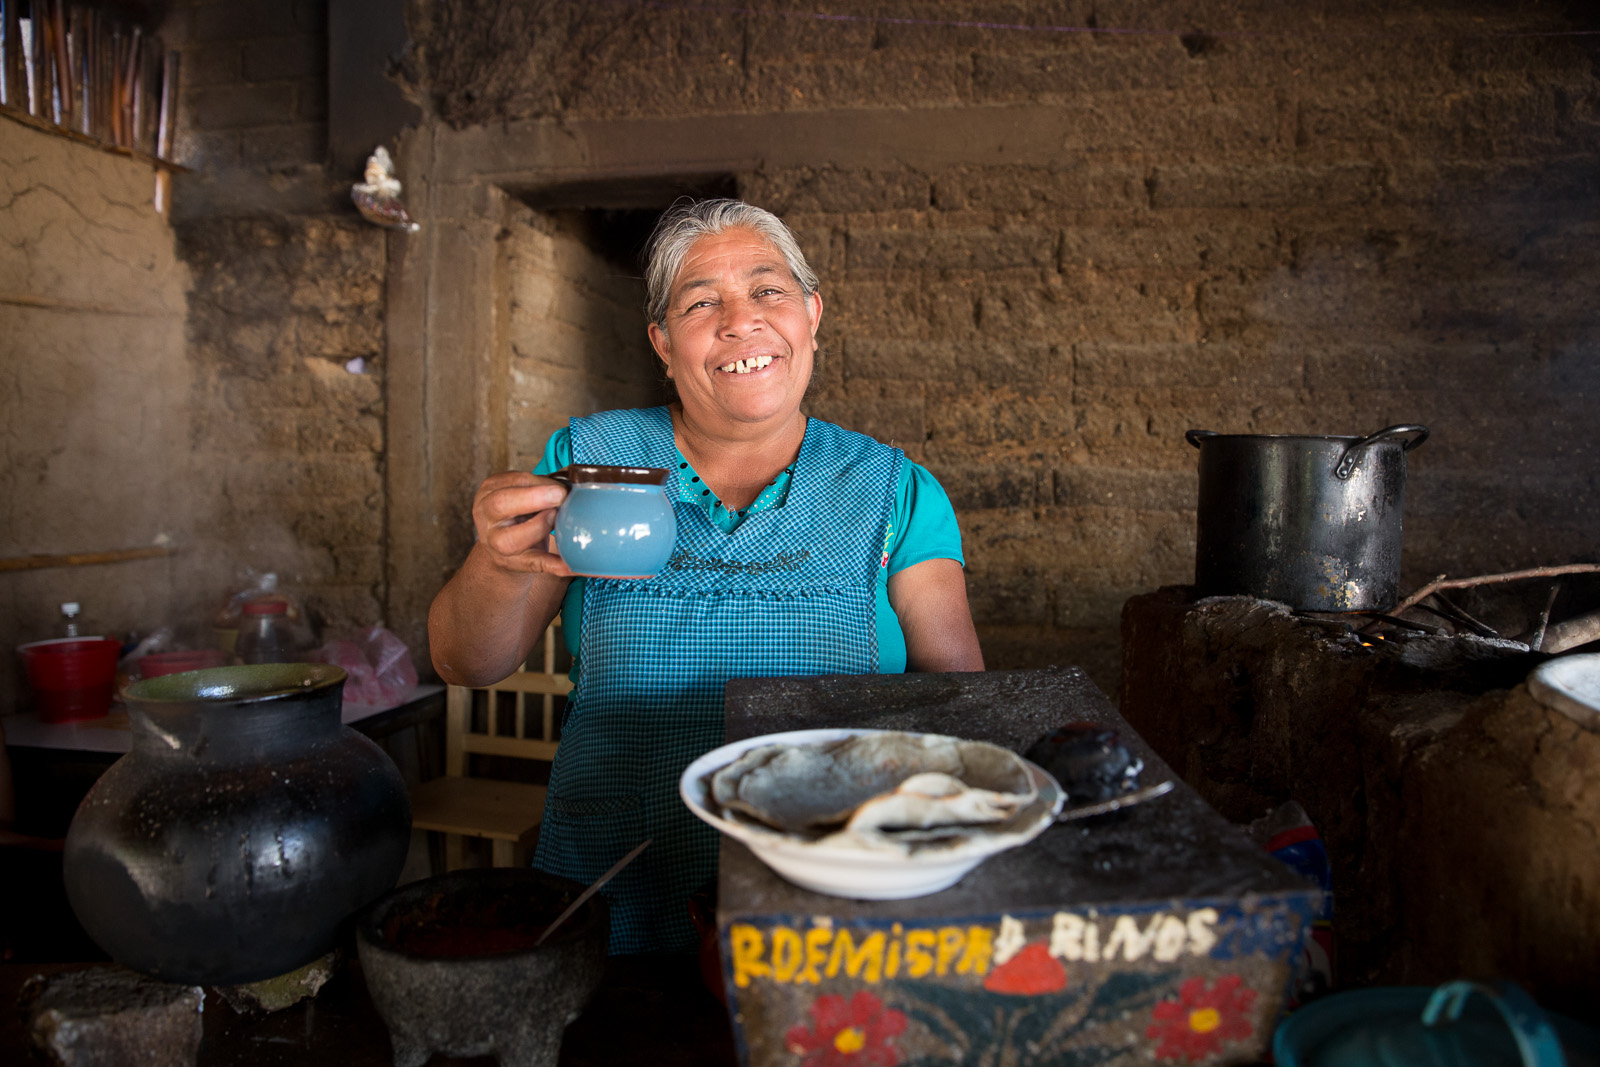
1312,522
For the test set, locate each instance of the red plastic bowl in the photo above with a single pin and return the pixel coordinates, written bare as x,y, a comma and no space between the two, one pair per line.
72,678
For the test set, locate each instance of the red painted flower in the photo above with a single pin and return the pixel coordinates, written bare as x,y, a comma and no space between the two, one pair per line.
1196,1024
1029,973
848,1034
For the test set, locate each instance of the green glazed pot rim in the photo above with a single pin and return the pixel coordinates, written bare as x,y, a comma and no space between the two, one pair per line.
231,685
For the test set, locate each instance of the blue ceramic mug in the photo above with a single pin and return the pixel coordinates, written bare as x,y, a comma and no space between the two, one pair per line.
616,522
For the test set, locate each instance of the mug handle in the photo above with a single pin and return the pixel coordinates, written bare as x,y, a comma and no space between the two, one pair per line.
1536,1038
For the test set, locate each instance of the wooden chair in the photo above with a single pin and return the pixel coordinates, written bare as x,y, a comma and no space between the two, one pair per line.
506,813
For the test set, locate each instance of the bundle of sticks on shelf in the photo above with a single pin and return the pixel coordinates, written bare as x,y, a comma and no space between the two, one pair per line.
87,70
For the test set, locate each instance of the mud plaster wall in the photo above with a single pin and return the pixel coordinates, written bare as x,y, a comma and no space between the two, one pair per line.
285,324
1046,255
94,390
186,379
280,309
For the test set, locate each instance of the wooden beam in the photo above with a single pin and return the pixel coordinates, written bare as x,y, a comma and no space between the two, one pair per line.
84,559
550,150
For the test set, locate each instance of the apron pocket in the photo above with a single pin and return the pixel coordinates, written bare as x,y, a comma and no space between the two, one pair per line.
581,839
600,806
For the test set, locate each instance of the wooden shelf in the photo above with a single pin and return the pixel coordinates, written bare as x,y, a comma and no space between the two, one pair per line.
45,126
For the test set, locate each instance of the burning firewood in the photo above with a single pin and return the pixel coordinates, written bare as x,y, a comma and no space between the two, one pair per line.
1572,633
1540,636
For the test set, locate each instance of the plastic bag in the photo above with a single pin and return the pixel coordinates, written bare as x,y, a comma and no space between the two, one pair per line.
159,641
1287,833
381,674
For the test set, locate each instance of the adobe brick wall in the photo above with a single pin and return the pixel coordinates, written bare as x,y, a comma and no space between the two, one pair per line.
565,305
254,82
280,308
1327,223
1306,223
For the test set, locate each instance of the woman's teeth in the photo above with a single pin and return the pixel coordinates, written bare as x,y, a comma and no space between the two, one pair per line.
745,366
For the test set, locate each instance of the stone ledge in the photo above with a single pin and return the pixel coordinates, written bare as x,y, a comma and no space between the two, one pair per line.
109,1015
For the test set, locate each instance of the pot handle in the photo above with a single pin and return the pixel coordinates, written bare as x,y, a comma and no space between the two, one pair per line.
1194,437
1536,1038
1347,462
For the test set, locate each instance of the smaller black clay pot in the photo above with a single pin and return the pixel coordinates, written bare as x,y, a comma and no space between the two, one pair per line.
450,965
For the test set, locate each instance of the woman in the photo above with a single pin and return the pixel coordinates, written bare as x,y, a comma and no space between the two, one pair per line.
802,548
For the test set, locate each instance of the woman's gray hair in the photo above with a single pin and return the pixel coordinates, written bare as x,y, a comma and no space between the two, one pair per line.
687,221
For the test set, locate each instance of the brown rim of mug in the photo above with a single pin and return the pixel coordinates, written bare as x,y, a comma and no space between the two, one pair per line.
594,474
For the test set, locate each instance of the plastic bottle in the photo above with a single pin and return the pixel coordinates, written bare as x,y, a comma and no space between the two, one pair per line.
68,625
265,635
230,621
73,623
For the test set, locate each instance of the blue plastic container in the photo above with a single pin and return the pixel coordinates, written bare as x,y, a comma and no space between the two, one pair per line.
1459,1024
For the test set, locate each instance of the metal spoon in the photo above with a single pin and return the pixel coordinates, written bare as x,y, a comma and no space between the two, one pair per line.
587,893
1116,803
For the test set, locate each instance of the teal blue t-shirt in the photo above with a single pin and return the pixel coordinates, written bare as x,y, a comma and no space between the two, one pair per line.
921,527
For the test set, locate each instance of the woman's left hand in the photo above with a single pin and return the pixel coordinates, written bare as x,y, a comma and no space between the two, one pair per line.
930,599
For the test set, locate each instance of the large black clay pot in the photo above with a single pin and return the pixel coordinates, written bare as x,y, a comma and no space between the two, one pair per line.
247,824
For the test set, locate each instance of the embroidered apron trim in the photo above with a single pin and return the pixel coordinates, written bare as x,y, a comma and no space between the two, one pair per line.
680,594
791,560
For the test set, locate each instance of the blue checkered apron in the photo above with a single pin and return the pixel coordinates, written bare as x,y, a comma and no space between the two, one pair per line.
789,592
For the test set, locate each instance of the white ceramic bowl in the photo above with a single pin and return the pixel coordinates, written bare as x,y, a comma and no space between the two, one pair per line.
1570,685
858,873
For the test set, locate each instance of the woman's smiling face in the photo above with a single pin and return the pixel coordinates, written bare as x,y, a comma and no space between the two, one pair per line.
740,333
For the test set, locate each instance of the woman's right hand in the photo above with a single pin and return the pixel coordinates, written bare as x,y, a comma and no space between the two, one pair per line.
486,620
514,513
